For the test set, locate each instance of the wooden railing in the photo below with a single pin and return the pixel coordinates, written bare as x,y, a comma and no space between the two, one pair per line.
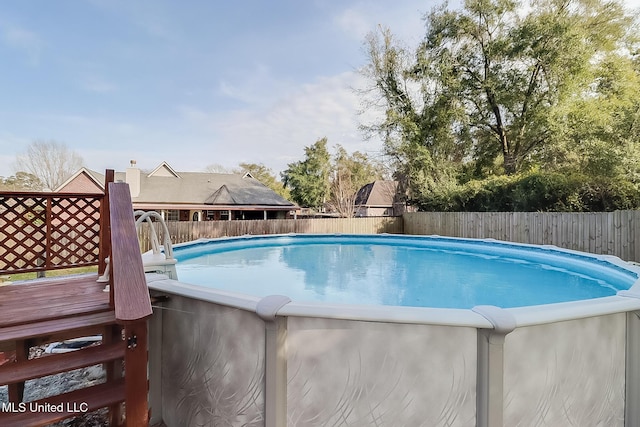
131,294
131,297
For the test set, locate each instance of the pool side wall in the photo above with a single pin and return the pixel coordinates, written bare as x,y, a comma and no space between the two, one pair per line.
566,373
226,360
212,365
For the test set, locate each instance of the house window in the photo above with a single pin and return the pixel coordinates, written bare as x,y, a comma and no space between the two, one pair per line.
210,215
173,215
224,215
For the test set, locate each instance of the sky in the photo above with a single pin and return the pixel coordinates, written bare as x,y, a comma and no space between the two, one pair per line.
192,83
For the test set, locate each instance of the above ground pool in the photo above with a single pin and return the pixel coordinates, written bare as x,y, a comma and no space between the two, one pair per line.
393,330
400,270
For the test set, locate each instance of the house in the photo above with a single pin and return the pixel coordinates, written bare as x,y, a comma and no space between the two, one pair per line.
190,196
379,198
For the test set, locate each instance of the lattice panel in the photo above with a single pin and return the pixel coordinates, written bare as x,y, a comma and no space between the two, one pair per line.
75,231
23,233
32,239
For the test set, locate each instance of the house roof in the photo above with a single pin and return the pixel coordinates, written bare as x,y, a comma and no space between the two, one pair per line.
207,188
92,176
377,193
164,186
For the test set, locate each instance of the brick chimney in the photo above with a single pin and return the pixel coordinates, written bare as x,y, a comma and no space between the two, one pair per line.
132,177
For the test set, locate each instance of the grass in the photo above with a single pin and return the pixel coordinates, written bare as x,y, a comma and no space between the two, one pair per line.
52,273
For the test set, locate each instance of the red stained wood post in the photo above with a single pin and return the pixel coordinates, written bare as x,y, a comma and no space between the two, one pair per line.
132,302
136,385
104,250
113,370
16,390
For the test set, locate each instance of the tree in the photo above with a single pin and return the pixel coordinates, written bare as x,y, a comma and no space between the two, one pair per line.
349,173
308,179
265,175
216,168
600,133
485,85
322,180
21,181
417,126
50,161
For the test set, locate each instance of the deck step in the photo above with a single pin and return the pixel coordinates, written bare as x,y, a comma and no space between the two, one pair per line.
85,400
48,365
51,298
51,328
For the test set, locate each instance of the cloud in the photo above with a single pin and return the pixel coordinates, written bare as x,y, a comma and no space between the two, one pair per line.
246,86
255,86
98,85
354,22
8,144
405,19
154,17
276,134
22,39
191,137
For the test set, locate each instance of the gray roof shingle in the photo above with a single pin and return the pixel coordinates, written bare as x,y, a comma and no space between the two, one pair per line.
207,188
377,193
203,188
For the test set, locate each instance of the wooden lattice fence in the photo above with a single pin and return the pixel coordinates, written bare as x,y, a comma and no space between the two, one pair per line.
41,231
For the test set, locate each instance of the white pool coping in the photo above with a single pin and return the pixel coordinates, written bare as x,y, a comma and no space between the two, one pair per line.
477,317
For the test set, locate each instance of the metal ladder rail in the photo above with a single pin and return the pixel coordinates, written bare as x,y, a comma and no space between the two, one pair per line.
157,259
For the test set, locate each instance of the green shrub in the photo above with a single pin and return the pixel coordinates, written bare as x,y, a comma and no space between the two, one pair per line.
535,191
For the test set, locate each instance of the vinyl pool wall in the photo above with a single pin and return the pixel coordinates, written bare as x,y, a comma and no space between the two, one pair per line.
218,358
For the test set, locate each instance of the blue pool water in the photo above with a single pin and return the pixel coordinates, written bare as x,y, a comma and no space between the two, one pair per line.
399,270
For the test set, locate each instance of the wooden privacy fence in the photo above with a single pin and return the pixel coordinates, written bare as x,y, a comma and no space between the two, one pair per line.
611,233
185,231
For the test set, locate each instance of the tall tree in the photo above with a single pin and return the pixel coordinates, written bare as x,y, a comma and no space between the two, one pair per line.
308,179
50,161
349,173
417,127
486,81
600,131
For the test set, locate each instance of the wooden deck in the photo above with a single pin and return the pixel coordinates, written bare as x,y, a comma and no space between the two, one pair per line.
51,299
49,310
51,302
48,231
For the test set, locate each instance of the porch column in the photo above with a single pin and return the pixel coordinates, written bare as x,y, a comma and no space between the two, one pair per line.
265,215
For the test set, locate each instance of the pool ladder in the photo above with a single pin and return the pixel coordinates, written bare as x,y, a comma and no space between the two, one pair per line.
154,260
157,260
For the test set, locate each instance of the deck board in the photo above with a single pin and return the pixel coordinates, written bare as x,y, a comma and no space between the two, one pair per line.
47,299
